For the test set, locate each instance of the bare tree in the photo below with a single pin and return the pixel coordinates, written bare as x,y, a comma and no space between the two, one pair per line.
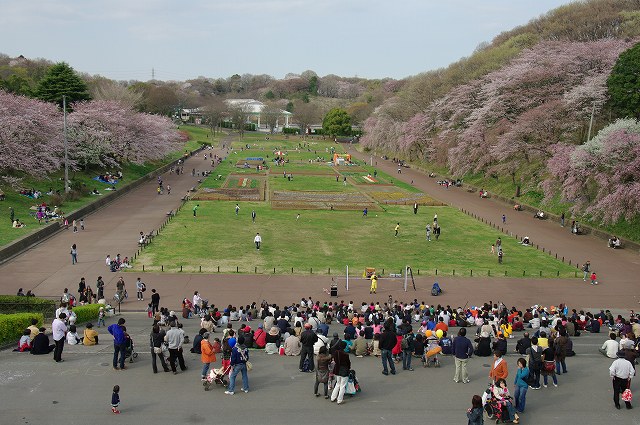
213,112
239,114
270,115
306,114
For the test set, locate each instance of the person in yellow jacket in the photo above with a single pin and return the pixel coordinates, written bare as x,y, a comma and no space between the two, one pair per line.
374,284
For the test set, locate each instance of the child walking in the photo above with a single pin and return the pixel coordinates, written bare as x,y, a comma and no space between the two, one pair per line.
115,399
594,280
101,315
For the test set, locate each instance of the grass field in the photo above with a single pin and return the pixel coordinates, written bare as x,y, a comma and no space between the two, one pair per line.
333,239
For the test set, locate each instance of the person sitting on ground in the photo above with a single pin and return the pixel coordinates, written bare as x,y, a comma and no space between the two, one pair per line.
25,342
197,340
483,345
614,242
72,336
517,207
539,215
360,345
526,241
292,345
90,335
272,340
259,337
610,347
40,344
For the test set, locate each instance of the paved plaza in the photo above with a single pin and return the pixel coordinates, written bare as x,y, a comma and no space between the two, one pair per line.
34,389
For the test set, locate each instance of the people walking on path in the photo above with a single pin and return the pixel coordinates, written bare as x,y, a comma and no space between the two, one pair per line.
586,268
119,343
239,359
621,372
74,254
257,240
237,209
462,349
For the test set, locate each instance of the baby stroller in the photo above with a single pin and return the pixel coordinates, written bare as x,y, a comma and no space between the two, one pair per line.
436,290
493,407
430,357
218,376
353,386
129,350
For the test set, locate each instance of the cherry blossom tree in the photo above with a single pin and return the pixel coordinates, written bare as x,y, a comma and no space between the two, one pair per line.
31,139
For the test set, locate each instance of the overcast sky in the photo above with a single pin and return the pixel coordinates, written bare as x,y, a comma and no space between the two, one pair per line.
125,39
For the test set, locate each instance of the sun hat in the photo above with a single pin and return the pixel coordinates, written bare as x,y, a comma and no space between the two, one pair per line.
274,331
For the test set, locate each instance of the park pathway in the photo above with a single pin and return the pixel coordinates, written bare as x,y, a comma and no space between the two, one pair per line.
46,268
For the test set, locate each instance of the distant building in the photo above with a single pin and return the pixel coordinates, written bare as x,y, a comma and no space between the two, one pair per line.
254,108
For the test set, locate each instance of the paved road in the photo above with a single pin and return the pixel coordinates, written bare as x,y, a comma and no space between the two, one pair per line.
35,390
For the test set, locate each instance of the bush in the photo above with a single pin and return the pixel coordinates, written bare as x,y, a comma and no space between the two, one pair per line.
11,304
12,326
290,130
87,313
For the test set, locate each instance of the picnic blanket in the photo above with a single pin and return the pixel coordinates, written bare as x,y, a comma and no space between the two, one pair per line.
97,178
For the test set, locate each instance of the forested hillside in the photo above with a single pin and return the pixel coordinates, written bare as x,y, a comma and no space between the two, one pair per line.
515,116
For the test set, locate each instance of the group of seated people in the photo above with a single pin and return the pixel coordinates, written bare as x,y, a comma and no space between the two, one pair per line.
31,193
117,263
614,242
17,224
35,340
540,215
483,193
110,178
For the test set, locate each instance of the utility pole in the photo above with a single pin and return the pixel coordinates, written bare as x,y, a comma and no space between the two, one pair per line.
593,111
66,147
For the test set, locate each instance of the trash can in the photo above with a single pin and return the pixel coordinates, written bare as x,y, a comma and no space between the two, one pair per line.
334,291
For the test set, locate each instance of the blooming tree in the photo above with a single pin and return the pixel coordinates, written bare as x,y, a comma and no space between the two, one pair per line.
30,136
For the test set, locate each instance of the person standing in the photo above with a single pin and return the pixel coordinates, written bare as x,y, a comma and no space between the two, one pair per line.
341,372
155,301
74,254
115,400
520,393
475,414
560,344
436,231
119,342
82,224
388,340
74,224
59,329
500,254
374,284
322,371
307,338
207,354
415,208
195,210
621,372
562,219
82,286
140,287
397,229
257,240
462,349
535,362
428,229
586,268
239,359
168,189
499,369
120,291
237,209
175,339
504,219
12,214
157,339
407,345
253,216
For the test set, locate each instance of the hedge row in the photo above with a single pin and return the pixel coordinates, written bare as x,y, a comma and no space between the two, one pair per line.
87,313
10,304
12,326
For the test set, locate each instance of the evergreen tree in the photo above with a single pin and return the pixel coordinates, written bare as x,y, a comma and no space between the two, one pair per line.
61,79
624,83
337,123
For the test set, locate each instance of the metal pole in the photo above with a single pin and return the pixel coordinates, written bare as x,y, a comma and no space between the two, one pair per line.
347,278
593,111
406,276
66,148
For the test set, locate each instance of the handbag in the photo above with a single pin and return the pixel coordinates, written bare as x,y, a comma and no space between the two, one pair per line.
249,365
549,366
157,350
627,396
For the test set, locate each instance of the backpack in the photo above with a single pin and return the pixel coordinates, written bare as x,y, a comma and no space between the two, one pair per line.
407,342
144,287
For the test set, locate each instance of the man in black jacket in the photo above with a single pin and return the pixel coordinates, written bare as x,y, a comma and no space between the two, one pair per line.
307,338
388,340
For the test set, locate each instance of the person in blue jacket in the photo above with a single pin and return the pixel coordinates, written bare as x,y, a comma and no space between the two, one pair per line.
119,342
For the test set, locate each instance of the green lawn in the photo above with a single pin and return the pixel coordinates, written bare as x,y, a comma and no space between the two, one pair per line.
333,239
21,204
302,182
